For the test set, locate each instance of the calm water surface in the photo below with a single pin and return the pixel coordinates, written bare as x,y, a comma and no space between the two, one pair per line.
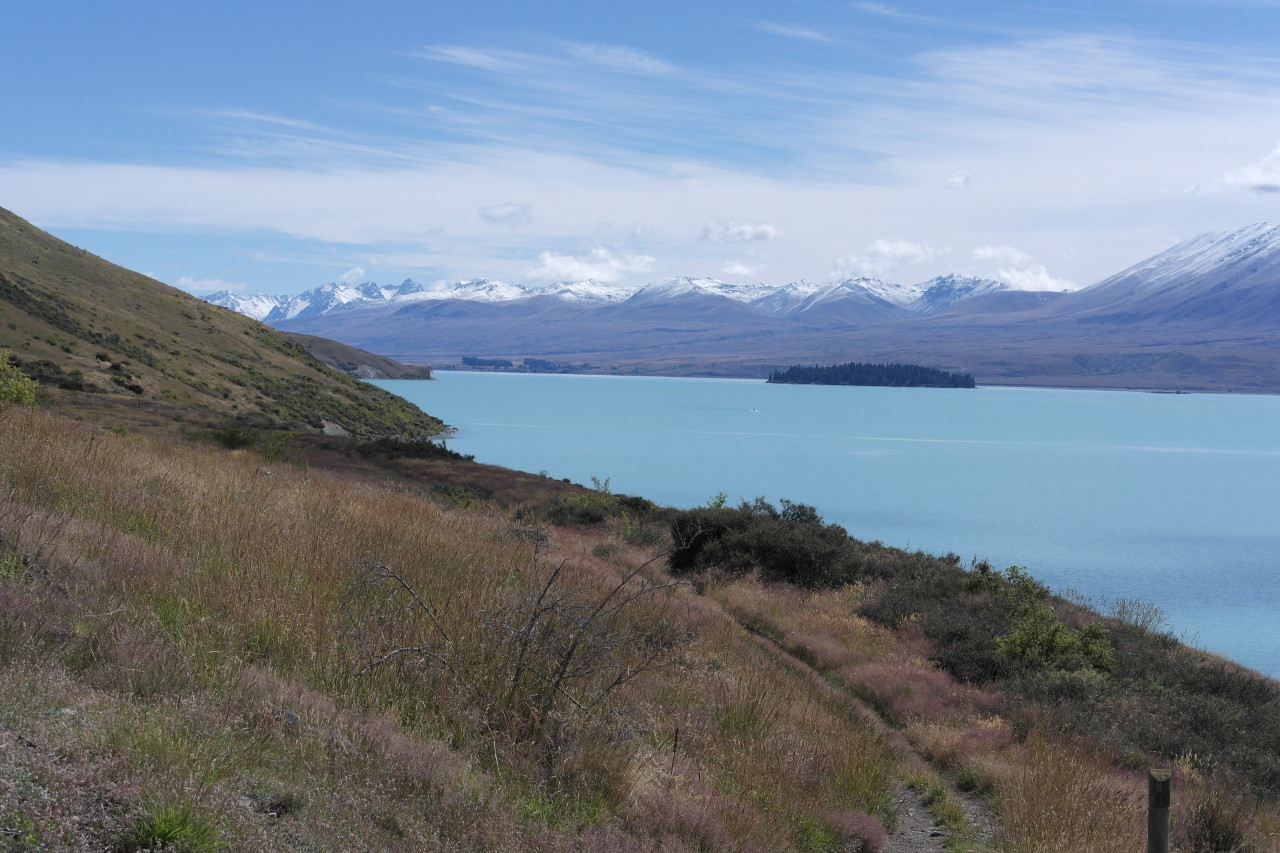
1173,499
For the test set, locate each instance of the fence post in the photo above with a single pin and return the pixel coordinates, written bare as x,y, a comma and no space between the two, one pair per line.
1158,811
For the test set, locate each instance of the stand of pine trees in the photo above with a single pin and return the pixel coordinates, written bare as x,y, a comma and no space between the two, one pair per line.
856,373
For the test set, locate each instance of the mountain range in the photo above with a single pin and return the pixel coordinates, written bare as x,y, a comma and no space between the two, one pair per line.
810,300
1201,315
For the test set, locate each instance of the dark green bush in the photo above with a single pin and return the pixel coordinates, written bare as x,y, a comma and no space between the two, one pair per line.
790,544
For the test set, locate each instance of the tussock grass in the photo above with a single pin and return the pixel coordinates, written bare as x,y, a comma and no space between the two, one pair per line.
189,650
1048,790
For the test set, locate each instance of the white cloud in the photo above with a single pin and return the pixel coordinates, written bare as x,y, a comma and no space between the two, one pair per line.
960,180
208,285
739,232
878,9
599,264
352,275
1034,278
1002,254
510,214
621,58
737,268
487,60
883,256
794,31
1260,177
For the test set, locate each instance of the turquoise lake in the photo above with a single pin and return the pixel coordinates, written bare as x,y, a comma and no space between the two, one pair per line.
1169,498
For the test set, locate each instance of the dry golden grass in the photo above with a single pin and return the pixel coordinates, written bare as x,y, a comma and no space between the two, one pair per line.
187,631
183,638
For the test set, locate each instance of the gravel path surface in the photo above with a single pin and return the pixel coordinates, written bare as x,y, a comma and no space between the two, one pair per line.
917,831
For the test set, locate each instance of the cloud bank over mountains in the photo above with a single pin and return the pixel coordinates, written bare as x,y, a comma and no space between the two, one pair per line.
863,140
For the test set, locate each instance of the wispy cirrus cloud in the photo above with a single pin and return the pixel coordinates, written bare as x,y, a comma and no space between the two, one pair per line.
510,214
793,31
621,58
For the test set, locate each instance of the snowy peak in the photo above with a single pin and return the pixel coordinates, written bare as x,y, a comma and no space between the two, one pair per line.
901,295
677,288
946,290
1255,245
784,301
1230,277
255,305
588,292
483,290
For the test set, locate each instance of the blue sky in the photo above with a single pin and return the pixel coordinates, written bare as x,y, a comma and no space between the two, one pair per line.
274,147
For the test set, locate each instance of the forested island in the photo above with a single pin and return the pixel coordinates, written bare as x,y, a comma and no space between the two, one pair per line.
885,375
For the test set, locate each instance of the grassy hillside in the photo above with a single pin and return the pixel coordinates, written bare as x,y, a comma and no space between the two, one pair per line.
116,345
206,653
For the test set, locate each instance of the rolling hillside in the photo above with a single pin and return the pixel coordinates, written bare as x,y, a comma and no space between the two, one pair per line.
132,350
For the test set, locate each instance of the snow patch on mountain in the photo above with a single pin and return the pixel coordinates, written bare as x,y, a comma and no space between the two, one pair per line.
901,295
1200,256
587,292
946,290
255,305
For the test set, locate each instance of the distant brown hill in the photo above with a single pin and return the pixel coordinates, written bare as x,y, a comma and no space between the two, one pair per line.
125,347
358,362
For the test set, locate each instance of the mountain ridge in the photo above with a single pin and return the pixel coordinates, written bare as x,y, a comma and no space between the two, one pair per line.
773,299
104,339
1203,315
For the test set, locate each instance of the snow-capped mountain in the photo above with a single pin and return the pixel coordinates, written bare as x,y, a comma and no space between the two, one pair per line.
1231,271
946,290
256,305
901,295
845,302
796,298
476,290
1231,276
681,287
315,302
1202,314
588,292
783,301
1252,251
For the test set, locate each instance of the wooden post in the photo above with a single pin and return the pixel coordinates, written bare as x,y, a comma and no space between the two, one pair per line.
1158,811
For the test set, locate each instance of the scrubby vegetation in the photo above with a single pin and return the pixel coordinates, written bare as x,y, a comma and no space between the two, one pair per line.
197,649
204,649
15,386
1123,680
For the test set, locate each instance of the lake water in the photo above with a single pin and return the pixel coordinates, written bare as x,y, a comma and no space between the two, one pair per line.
1169,498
